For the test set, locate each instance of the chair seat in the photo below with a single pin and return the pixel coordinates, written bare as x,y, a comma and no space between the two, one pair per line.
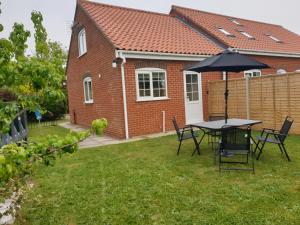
188,136
269,140
214,133
235,152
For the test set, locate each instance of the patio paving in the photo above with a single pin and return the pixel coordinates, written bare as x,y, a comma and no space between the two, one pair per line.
96,141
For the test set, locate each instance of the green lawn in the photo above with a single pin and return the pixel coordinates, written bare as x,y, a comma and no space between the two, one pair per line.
146,183
35,134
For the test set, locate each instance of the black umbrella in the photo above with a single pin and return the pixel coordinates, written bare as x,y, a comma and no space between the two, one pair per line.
227,61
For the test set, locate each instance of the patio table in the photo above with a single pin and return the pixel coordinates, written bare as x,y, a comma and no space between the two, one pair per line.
218,124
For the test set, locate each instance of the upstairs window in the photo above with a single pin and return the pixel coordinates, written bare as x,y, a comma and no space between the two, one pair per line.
88,91
234,21
82,43
247,35
225,32
274,38
281,71
252,73
151,84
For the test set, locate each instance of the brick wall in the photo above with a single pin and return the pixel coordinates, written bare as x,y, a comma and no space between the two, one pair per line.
143,117
107,92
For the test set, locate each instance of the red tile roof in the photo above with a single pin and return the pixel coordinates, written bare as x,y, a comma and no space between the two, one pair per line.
137,30
210,22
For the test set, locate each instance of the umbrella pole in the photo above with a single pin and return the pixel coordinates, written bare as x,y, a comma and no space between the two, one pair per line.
226,96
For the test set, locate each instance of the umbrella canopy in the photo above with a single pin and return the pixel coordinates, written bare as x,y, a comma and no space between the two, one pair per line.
227,61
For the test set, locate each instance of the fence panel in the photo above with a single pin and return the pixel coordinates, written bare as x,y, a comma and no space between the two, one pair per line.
268,98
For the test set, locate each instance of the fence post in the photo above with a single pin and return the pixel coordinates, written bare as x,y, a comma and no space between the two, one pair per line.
247,97
274,103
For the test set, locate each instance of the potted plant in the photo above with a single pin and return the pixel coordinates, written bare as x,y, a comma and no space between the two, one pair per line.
99,126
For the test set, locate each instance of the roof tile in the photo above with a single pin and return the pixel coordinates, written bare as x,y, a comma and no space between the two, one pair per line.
210,22
131,29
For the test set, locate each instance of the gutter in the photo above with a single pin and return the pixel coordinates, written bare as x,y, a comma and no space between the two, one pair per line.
160,56
120,55
269,53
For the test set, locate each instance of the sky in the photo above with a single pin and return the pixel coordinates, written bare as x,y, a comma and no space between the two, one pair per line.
58,14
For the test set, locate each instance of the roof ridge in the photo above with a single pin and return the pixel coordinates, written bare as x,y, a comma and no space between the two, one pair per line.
218,14
122,7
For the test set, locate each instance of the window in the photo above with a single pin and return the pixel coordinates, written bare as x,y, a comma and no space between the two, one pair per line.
192,88
151,84
252,73
273,38
298,70
88,92
82,42
234,21
281,71
225,32
247,35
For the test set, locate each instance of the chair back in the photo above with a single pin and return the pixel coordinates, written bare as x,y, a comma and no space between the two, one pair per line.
176,126
285,128
235,138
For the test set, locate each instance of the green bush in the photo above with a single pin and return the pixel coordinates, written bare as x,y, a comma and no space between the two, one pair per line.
13,161
99,126
17,160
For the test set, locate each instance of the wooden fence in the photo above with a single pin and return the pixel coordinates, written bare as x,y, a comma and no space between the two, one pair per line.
268,98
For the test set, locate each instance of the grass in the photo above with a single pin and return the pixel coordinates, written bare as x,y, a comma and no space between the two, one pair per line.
146,183
37,133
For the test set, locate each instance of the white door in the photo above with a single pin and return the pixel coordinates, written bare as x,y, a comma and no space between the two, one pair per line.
193,97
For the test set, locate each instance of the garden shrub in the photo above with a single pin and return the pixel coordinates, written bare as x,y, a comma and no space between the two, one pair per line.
99,126
17,160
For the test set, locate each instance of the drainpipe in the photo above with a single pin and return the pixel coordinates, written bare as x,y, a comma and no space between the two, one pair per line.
124,95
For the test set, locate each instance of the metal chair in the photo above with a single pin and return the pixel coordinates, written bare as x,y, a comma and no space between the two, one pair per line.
185,133
275,137
235,141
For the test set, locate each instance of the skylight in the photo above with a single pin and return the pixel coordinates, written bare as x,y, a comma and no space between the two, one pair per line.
274,38
235,21
247,35
225,32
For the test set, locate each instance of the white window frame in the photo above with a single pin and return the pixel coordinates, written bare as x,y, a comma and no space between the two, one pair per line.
247,35
150,71
227,33
281,71
82,47
89,100
252,72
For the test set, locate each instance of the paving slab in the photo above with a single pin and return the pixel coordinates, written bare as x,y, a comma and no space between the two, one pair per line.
96,141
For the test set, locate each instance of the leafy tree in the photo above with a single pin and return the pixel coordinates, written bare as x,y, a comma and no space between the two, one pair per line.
35,80
40,35
19,37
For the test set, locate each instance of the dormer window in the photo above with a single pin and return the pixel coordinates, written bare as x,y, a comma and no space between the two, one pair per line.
273,38
247,35
235,21
225,32
82,43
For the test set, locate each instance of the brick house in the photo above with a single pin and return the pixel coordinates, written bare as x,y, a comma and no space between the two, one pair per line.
127,65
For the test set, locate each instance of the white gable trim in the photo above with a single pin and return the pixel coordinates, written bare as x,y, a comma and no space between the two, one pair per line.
159,56
269,53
